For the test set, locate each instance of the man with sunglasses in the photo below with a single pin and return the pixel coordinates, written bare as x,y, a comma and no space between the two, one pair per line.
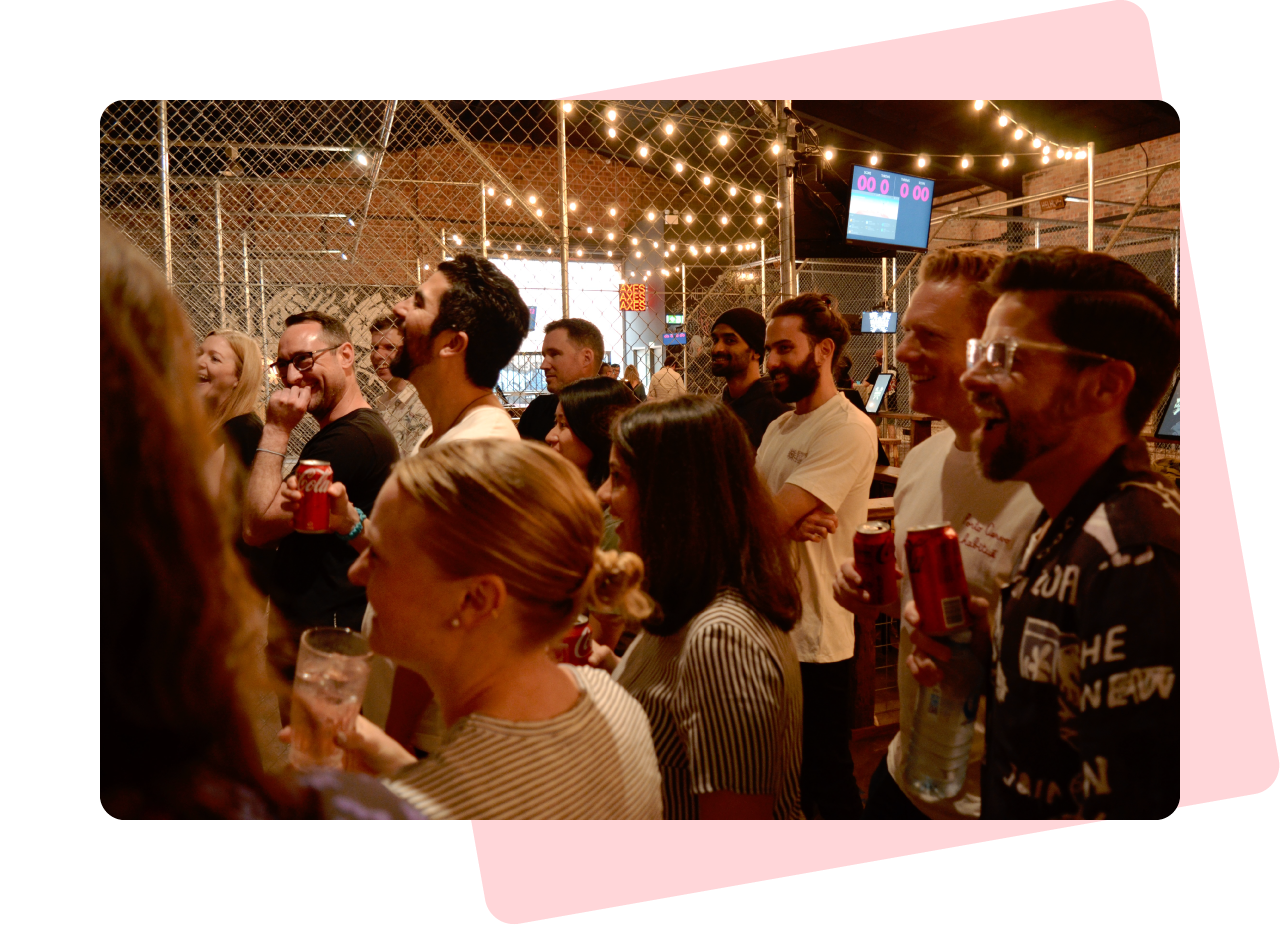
1082,716
309,586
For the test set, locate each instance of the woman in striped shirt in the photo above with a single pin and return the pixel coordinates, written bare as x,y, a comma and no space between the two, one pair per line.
714,666
480,555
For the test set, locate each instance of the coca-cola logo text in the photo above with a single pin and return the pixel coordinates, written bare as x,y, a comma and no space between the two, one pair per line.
316,479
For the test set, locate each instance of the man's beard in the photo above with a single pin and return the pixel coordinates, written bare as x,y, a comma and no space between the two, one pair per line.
401,365
727,367
796,384
1025,440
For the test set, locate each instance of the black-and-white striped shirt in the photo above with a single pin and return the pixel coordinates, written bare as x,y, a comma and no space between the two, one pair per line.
594,761
724,701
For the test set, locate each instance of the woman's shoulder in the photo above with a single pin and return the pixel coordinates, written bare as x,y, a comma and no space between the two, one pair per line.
729,613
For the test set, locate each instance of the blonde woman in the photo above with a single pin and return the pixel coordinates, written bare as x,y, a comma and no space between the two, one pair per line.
632,378
480,555
228,383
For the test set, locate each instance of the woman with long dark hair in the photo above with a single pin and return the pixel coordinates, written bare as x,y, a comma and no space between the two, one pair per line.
714,666
584,416
181,626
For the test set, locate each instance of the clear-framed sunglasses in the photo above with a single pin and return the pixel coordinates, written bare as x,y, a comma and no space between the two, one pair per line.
997,355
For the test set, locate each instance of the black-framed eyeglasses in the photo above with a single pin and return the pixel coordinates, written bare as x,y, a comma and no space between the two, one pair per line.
299,361
997,355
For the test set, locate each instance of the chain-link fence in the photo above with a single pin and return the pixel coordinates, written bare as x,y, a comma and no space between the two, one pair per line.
257,209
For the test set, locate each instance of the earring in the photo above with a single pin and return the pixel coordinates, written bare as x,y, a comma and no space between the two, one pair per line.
455,622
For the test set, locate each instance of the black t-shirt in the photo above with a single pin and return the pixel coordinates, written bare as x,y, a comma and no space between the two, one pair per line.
757,407
538,418
309,576
243,433
1082,717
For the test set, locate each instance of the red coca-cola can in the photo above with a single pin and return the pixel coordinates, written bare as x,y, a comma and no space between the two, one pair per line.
873,555
938,584
314,478
575,648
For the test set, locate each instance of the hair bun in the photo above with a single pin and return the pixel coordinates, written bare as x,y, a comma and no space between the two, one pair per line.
613,586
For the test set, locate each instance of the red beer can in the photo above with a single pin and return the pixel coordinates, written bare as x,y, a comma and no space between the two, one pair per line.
314,478
873,558
938,584
575,648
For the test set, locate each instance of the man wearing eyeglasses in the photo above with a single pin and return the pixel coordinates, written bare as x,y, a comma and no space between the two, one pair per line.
1082,716
309,585
941,482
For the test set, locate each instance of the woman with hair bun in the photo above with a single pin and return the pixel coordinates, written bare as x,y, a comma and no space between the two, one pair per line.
714,667
474,611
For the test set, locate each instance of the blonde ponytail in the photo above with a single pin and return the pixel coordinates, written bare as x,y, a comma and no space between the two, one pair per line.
613,586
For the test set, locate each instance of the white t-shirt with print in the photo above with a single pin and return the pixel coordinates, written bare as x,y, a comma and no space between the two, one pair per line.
485,421
830,453
993,519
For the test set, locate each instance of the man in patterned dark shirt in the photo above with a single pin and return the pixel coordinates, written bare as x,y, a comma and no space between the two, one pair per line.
1083,706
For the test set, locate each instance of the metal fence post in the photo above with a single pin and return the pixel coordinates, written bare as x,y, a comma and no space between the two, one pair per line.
222,270
484,223
248,309
164,190
564,216
786,278
1091,195
763,302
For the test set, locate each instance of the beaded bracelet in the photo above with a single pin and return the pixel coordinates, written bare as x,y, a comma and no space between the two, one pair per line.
358,528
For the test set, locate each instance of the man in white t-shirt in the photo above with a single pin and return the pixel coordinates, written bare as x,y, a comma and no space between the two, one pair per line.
818,461
941,481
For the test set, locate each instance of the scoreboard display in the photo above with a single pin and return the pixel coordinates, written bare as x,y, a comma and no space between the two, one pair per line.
889,208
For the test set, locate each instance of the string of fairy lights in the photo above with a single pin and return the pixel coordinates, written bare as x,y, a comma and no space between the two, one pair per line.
677,167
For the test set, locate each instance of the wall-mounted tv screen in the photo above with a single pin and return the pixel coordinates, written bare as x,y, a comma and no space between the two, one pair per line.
892,209
879,322
1171,421
877,392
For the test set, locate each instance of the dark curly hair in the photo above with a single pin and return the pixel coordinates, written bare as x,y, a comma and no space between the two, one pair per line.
483,303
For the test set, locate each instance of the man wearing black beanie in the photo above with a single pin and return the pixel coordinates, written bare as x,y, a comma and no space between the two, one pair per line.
737,345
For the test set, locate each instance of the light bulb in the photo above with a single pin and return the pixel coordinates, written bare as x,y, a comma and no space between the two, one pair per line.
724,220
679,167
505,255
920,161
1004,161
828,154
519,247
609,235
532,199
1017,134
874,159
1035,142
508,200
613,211
1045,159
573,207
590,229
777,148
758,198
489,191
486,242
1081,155
688,219
706,181
651,215
548,250
964,162
733,191
1062,152
635,240
668,128
724,140
567,106
579,252
611,114
739,247
363,162
693,249
655,244
707,249
1003,120
723,248
644,150
639,255
759,219
538,213
977,104
608,253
